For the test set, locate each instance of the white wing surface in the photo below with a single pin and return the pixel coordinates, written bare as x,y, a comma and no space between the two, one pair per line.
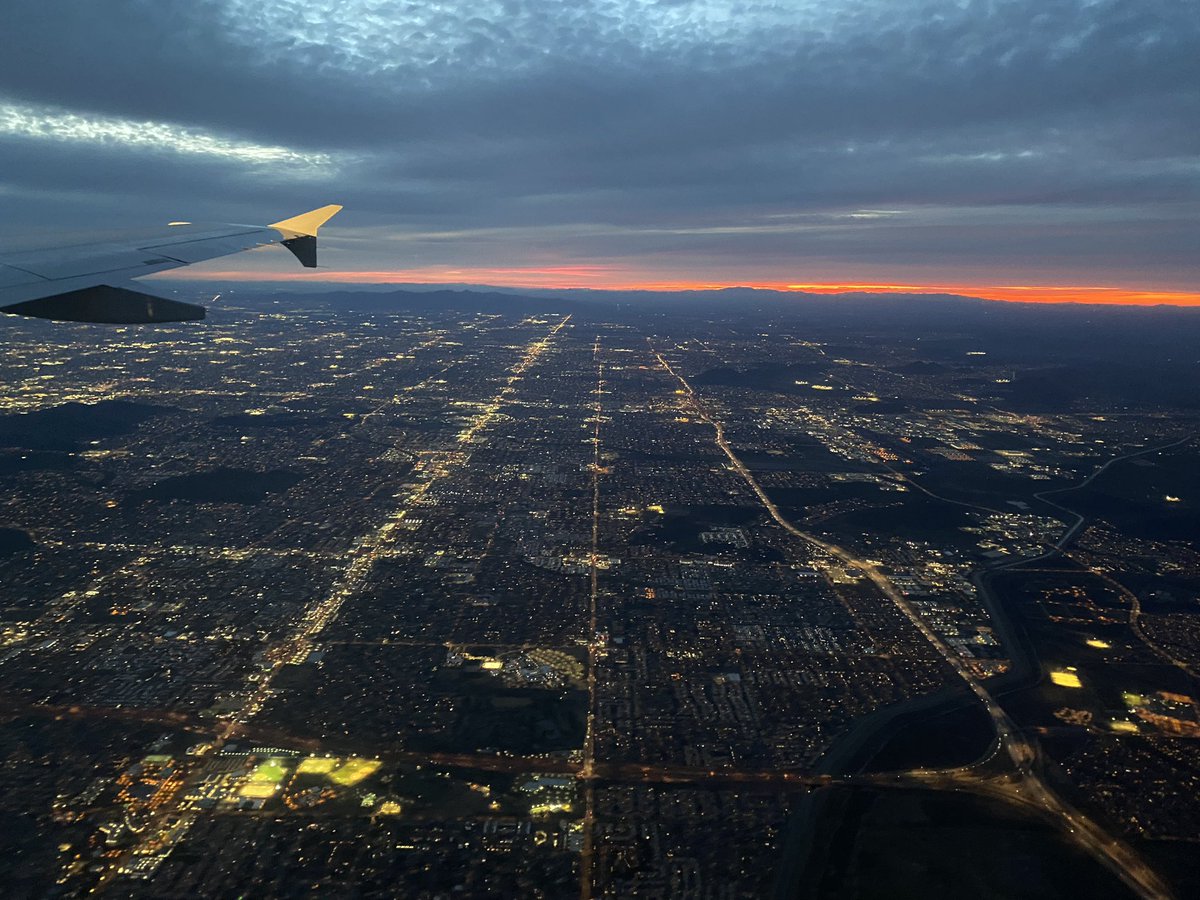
90,282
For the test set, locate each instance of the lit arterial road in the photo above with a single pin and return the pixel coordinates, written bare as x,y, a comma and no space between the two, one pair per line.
1023,785
169,821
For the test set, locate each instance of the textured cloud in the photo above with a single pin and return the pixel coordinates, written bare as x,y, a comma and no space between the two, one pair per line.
25,122
681,134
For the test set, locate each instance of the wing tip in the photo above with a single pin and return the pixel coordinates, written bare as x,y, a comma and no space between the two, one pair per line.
306,224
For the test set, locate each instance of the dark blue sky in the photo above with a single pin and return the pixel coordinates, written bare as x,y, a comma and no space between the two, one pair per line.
618,142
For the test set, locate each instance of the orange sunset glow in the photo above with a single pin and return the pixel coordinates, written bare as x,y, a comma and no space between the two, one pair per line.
566,277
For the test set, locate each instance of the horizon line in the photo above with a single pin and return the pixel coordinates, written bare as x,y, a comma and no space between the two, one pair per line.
547,279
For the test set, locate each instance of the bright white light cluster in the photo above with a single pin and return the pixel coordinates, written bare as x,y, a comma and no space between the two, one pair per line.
17,120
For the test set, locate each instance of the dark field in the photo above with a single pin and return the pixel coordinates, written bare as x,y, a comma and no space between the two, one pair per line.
242,486
910,844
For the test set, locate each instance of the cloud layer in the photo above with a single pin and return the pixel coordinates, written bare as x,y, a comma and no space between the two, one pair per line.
991,141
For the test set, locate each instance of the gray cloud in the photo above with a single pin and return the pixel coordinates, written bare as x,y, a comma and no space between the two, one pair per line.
669,134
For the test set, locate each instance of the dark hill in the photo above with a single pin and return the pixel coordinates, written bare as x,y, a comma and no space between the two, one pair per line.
68,426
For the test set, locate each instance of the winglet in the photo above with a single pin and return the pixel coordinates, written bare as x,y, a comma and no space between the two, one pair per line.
306,224
300,232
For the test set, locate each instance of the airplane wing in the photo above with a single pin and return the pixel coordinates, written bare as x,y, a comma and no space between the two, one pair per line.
88,282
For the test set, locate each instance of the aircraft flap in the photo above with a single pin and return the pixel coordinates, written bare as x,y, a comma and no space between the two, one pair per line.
107,304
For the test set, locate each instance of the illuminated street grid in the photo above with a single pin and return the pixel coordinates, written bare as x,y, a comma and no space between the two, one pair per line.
524,606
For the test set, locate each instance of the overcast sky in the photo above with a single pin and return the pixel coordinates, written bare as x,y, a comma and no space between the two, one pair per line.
597,142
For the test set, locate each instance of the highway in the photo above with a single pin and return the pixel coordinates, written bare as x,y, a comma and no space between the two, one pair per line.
1023,785
257,693
1027,786
1060,547
1070,533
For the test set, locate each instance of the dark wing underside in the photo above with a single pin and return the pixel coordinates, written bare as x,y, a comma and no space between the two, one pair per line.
107,304
91,282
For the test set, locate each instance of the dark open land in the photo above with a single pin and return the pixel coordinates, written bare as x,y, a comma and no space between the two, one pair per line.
243,486
71,425
1156,497
913,844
